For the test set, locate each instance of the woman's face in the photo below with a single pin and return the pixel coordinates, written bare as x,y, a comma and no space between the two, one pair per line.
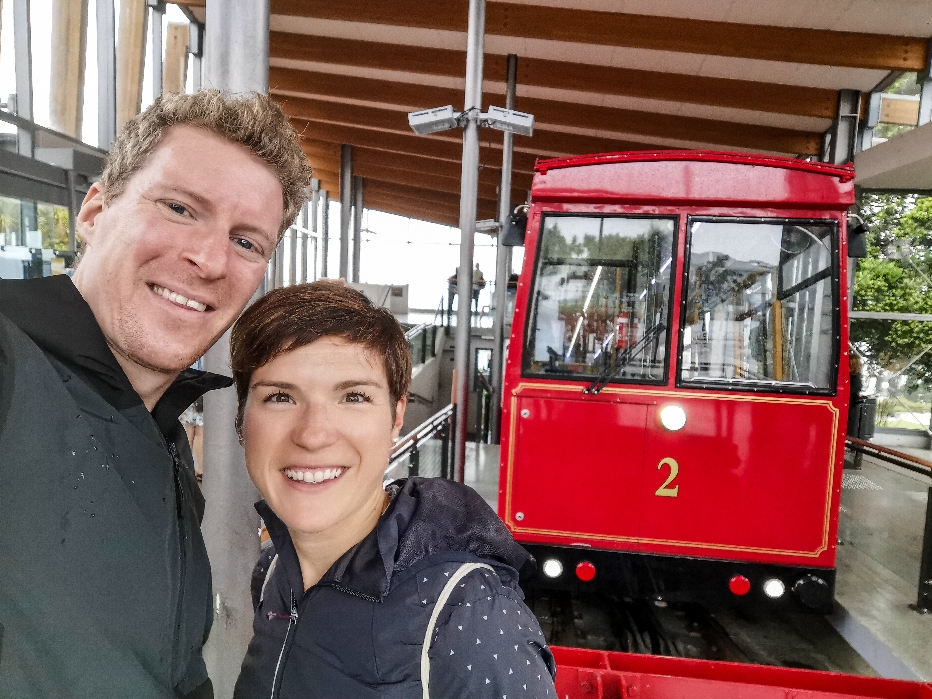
318,428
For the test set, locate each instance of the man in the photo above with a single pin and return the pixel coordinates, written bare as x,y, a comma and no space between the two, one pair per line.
104,578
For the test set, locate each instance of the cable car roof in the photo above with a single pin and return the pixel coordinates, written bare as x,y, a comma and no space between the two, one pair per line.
599,76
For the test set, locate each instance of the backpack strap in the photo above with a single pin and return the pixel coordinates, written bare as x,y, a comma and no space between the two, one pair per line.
445,593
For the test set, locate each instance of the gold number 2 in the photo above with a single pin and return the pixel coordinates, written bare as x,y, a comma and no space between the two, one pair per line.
665,491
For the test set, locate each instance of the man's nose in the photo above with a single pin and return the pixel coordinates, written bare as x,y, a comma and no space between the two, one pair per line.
207,249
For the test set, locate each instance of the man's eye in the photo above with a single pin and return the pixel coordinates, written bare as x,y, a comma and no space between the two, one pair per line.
245,244
356,397
178,208
278,397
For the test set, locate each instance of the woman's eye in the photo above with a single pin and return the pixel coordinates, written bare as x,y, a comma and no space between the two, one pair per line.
278,397
357,398
179,209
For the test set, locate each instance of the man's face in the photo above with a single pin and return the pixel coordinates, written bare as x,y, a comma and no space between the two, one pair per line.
169,263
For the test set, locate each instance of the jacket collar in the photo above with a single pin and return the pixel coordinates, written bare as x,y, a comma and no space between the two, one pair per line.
426,516
52,312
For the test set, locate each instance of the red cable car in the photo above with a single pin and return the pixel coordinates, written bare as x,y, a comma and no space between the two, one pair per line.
676,390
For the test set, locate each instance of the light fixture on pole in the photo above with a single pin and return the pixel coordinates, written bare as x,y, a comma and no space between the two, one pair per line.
430,121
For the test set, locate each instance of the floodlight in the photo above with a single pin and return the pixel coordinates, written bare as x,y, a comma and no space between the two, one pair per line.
488,225
509,120
433,120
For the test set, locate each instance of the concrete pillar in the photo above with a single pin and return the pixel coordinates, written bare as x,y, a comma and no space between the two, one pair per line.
156,15
106,74
469,185
324,231
358,185
346,205
925,97
502,256
196,49
66,83
175,68
866,135
236,57
131,58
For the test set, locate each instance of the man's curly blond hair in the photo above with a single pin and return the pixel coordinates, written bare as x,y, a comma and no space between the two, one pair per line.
251,119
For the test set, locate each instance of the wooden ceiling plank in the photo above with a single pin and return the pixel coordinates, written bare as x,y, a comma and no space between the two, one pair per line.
703,37
607,80
548,114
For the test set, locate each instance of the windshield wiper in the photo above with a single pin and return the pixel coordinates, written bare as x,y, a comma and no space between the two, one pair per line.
622,360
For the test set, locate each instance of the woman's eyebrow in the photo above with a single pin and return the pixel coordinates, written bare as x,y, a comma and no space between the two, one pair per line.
353,383
274,384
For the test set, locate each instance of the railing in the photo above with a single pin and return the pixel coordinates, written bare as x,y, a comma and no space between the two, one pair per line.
924,468
422,342
427,450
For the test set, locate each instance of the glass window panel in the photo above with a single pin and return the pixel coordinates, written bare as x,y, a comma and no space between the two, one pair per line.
600,304
760,304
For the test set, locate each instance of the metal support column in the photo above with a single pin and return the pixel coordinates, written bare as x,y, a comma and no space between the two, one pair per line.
156,13
22,43
236,59
346,206
106,74
502,257
196,50
292,236
845,127
925,97
315,202
924,599
358,186
324,231
866,136
469,187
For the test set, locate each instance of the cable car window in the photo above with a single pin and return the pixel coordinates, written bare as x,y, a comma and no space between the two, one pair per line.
600,303
760,305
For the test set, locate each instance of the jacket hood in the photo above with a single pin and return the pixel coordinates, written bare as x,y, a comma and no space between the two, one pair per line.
426,517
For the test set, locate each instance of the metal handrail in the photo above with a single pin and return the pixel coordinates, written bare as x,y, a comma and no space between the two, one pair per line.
422,431
897,458
413,332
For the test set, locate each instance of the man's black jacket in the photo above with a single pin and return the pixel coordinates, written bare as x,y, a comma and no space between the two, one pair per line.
104,578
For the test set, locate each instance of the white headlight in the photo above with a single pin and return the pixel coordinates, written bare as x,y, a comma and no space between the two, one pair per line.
673,417
774,588
553,568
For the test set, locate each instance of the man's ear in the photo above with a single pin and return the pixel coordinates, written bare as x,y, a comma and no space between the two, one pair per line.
91,207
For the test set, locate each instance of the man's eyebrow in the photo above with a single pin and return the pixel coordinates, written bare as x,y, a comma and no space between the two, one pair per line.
193,195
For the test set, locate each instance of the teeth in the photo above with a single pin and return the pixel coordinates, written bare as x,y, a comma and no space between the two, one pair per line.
175,297
315,475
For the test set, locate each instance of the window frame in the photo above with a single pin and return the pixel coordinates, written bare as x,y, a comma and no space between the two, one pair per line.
750,385
531,318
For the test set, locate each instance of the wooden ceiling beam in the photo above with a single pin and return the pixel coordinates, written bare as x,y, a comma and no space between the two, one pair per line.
549,115
330,152
579,77
704,37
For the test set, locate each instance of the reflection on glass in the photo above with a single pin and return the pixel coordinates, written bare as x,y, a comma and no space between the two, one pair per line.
601,297
759,303
33,239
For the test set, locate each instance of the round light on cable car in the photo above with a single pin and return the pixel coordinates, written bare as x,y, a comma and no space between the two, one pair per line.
739,585
585,571
552,568
673,417
774,588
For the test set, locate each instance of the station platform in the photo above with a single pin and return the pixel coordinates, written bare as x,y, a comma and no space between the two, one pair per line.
880,538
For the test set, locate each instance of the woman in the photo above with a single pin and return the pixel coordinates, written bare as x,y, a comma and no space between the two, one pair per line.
363,575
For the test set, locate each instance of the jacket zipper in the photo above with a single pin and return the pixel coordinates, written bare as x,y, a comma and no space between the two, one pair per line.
292,621
179,498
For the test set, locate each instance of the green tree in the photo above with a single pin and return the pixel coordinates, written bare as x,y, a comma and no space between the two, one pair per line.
895,278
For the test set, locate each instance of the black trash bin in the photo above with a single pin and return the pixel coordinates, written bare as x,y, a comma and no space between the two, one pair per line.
862,417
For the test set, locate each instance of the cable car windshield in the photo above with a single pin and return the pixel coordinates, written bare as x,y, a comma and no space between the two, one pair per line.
600,305
760,308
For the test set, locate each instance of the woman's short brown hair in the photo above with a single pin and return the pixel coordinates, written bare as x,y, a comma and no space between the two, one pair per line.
250,119
288,318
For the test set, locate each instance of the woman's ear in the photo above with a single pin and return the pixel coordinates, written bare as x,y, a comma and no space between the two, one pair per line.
399,416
